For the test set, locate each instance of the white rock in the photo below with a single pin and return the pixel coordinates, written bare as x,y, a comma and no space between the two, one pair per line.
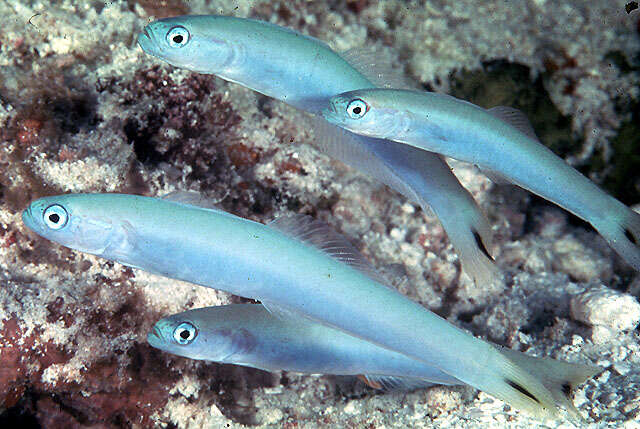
602,306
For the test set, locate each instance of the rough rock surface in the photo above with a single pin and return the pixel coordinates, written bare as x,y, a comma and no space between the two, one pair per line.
83,109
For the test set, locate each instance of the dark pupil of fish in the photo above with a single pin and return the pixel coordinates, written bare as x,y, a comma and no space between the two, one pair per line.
356,110
177,39
54,218
185,334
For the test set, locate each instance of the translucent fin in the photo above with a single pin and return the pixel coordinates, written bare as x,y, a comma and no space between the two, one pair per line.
350,149
191,198
494,176
515,118
622,232
391,383
521,387
320,235
557,376
281,29
374,66
283,313
195,199
369,381
472,238
419,175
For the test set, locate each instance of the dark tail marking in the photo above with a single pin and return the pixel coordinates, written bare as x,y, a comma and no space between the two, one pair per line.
480,244
521,390
566,389
630,236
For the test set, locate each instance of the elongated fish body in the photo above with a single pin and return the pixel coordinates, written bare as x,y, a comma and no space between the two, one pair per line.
248,335
285,267
304,72
499,140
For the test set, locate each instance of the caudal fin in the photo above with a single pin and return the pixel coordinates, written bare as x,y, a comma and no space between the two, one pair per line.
622,232
516,386
471,237
558,377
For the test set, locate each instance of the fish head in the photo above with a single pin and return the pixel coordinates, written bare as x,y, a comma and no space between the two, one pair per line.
192,42
363,112
100,224
194,335
71,220
176,335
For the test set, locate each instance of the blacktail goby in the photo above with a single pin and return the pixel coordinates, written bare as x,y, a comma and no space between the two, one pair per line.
304,72
248,335
298,268
499,140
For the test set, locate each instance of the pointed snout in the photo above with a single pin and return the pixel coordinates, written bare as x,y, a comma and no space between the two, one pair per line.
154,338
28,219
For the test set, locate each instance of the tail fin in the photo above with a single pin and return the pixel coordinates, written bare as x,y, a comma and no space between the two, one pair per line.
516,386
423,177
558,377
472,238
623,234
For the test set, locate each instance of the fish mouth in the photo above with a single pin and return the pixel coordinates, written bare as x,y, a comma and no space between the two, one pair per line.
154,338
28,219
331,115
146,42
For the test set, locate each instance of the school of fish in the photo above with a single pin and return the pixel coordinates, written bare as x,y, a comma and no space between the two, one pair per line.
311,281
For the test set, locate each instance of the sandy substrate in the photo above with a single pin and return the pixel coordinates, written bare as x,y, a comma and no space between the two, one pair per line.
83,109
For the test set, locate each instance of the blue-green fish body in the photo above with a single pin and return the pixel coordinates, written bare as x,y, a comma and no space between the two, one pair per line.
500,140
264,57
248,335
304,72
295,266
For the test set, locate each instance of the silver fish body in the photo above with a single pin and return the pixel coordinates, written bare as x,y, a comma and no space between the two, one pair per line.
248,335
304,72
500,140
297,268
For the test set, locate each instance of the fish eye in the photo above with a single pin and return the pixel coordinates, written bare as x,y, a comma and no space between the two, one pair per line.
357,108
185,333
178,37
55,216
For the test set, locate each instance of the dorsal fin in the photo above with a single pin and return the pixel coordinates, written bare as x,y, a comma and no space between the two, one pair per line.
374,66
190,198
320,235
280,28
515,118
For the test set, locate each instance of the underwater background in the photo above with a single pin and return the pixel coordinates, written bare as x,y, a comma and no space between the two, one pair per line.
83,109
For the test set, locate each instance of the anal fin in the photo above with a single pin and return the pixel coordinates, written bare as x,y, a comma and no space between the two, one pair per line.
393,383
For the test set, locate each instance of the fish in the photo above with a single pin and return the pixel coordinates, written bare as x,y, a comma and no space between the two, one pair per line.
249,335
499,140
305,72
297,267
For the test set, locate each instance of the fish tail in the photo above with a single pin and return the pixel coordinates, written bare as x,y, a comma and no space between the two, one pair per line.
473,241
558,377
622,232
518,387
